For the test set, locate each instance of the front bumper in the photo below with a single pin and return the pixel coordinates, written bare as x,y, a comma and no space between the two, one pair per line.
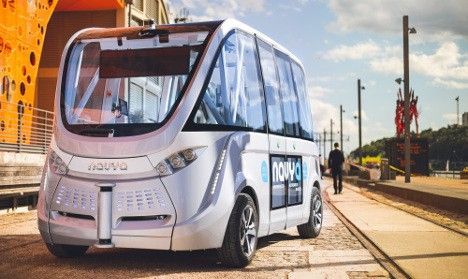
74,215
139,214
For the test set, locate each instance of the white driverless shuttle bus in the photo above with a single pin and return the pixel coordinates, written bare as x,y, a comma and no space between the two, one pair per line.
179,137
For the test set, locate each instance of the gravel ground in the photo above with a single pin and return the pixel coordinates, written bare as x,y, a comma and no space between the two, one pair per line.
336,253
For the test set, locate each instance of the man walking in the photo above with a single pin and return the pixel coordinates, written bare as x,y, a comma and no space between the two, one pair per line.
335,163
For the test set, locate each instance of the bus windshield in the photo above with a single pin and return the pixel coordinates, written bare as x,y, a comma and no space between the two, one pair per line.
112,84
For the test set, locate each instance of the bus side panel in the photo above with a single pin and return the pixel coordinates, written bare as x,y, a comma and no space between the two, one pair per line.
255,168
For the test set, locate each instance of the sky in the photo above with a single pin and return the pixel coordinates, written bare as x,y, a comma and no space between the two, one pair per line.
339,41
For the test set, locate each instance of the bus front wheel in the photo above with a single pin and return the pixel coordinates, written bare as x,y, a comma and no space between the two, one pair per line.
240,239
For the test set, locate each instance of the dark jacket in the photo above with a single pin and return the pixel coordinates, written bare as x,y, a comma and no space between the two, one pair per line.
335,160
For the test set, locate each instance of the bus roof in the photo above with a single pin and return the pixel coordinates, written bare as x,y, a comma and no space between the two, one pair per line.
231,24
211,26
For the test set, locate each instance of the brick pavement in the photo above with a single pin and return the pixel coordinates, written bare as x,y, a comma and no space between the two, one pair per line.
421,248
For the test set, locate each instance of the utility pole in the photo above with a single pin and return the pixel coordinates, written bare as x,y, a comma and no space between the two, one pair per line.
458,109
324,145
331,134
406,32
341,127
359,88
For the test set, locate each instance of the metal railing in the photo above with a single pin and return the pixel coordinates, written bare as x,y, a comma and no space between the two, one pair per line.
455,174
25,129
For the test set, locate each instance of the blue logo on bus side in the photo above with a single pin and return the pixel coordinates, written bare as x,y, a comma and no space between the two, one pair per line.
298,171
264,172
305,173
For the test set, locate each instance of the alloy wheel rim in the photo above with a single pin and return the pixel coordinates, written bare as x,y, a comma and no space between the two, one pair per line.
317,213
248,231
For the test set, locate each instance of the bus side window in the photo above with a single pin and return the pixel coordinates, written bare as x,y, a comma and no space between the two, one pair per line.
288,95
211,111
305,120
272,94
233,95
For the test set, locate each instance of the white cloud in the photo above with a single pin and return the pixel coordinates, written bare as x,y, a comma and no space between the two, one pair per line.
322,112
295,5
203,10
444,63
432,18
353,52
391,65
450,117
447,66
318,91
451,83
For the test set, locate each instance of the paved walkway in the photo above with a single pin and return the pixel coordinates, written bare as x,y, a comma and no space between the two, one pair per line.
421,248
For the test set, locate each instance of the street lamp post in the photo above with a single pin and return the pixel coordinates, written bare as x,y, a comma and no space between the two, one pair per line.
324,145
406,32
331,134
359,119
341,127
457,99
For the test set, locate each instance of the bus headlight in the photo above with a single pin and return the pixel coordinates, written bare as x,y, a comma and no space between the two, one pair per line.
56,164
163,169
189,154
178,161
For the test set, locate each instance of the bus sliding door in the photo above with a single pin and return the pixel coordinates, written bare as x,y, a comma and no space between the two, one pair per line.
295,147
277,141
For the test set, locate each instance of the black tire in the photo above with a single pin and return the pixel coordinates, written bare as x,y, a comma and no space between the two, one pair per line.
232,253
312,228
66,251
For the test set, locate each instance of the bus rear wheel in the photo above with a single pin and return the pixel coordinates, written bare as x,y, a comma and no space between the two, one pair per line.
66,251
240,239
312,228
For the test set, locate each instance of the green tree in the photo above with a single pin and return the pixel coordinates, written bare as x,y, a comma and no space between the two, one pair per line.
447,143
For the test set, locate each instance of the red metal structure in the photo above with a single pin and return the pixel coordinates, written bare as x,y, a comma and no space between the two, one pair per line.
399,113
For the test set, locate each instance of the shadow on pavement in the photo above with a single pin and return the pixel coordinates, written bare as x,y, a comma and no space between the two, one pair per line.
274,238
